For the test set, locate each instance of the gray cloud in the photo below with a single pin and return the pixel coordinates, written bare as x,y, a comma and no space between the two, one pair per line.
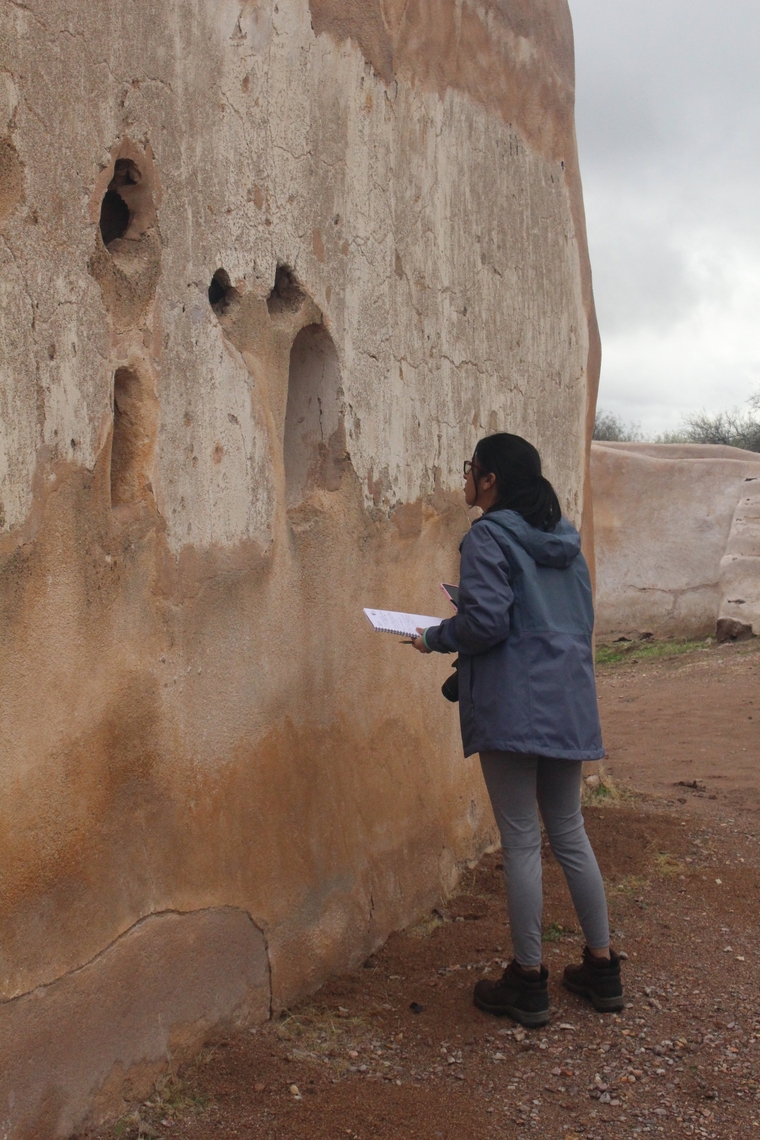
668,120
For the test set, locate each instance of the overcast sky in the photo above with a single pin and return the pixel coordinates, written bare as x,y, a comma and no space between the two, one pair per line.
668,122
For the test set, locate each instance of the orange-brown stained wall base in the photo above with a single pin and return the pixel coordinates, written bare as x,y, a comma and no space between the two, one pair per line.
332,811
218,784
164,985
118,801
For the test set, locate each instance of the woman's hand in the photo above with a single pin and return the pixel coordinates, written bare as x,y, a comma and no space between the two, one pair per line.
419,644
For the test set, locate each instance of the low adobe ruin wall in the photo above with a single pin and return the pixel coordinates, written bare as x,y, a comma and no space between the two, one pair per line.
268,272
677,539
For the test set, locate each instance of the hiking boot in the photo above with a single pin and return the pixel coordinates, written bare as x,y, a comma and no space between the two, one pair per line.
520,994
598,980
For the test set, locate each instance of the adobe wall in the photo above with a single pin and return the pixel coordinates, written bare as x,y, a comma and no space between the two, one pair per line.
677,539
268,272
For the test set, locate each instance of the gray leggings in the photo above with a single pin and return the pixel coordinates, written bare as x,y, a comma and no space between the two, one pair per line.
516,783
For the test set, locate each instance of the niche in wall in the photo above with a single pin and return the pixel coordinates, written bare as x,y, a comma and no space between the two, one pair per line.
286,296
114,217
127,209
315,439
135,414
221,293
126,261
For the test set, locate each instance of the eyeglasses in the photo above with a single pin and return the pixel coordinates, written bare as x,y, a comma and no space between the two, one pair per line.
469,466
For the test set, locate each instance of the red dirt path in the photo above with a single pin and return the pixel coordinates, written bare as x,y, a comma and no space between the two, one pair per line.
687,718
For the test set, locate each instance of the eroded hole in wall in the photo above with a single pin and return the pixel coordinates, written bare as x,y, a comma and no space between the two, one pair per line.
315,438
128,210
287,294
221,293
114,217
134,424
116,212
126,262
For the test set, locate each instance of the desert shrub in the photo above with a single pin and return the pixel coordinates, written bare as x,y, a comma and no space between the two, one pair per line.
735,428
610,428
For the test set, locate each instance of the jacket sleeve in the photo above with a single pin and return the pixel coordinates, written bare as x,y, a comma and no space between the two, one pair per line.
485,596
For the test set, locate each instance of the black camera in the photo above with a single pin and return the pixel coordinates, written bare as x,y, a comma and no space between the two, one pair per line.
450,687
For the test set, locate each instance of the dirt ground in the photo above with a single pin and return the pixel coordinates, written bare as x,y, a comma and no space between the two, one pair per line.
695,717
396,1049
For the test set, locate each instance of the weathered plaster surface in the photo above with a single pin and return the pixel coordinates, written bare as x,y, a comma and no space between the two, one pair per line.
193,714
676,536
164,984
740,565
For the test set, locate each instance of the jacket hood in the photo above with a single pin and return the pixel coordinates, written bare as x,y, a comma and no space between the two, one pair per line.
556,548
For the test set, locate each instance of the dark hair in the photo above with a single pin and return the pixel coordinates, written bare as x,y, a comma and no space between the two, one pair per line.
522,488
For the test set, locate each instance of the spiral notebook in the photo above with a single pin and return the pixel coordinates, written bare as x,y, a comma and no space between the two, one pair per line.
405,625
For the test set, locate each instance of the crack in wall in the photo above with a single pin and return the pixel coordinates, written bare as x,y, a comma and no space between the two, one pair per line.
144,920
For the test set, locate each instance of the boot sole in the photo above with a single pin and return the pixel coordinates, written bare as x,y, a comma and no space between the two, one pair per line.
529,1020
601,1004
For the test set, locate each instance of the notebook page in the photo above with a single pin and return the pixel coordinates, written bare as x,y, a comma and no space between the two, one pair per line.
405,625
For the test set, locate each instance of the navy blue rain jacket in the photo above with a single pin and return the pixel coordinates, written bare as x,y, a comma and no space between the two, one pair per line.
523,635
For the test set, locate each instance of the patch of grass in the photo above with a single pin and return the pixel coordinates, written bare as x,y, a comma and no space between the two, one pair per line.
553,932
599,788
667,864
325,1035
173,1094
630,885
600,793
620,652
425,927
319,1030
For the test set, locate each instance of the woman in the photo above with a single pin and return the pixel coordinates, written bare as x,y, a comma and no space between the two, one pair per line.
527,704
